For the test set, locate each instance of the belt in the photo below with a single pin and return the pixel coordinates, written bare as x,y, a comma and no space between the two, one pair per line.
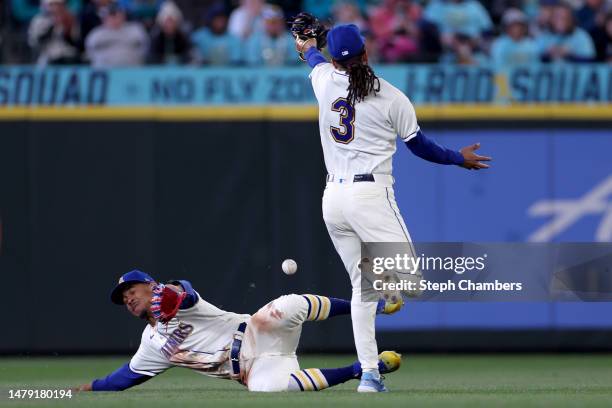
386,180
331,178
235,350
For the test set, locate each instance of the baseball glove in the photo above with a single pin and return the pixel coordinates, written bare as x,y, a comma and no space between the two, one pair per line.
305,26
165,302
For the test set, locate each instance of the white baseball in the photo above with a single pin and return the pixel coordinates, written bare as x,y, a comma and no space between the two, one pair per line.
289,266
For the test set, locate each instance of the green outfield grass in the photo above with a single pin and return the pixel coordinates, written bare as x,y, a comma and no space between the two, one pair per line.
423,380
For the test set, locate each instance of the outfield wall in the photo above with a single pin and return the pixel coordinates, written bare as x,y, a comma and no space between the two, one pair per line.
223,203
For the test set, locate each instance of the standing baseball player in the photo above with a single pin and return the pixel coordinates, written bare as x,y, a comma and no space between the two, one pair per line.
258,351
360,117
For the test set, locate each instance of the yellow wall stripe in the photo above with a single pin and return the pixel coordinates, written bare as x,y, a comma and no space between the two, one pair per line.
162,113
318,377
301,112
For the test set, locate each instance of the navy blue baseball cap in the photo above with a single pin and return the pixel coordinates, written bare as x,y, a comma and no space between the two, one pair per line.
344,42
127,279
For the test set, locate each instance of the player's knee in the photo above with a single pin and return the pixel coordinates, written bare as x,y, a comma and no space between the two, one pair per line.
285,311
296,307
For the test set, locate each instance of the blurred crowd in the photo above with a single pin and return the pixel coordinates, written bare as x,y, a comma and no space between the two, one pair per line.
110,33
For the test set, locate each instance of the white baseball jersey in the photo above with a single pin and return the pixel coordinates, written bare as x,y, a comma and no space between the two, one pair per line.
199,338
360,139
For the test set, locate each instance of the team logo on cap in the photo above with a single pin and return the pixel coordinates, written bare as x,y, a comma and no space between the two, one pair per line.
121,280
345,52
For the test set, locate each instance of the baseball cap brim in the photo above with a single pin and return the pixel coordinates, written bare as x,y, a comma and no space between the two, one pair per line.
127,280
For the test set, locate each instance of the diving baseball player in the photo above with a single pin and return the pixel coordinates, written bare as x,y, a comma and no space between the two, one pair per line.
360,117
258,351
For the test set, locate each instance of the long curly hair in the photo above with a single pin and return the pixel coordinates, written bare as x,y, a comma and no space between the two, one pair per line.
362,80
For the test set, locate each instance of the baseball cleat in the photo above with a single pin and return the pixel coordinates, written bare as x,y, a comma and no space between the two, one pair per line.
389,361
371,383
387,307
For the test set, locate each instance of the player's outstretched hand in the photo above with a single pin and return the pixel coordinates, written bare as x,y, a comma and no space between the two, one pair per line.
302,45
472,161
84,387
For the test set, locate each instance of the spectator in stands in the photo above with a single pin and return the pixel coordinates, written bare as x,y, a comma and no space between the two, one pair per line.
347,12
319,8
566,42
602,37
169,43
248,18
90,17
323,8
371,46
462,24
274,46
290,7
193,11
117,42
497,8
24,10
141,9
213,44
587,15
466,17
391,16
54,34
464,50
515,47
395,24
543,21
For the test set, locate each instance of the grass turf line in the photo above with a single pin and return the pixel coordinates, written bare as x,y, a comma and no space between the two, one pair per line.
423,380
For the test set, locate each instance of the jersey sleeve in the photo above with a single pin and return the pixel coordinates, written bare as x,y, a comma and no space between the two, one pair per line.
403,118
148,360
318,76
119,380
314,57
429,150
192,296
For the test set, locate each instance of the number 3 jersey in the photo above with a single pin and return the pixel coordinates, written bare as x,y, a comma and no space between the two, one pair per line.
360,139
199,338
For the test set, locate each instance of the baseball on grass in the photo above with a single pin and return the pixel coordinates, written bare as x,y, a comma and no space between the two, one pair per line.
289,266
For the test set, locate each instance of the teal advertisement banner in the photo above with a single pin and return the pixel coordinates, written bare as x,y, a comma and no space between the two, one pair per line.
424,84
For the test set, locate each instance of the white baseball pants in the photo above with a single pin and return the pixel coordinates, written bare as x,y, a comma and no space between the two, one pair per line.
356,212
